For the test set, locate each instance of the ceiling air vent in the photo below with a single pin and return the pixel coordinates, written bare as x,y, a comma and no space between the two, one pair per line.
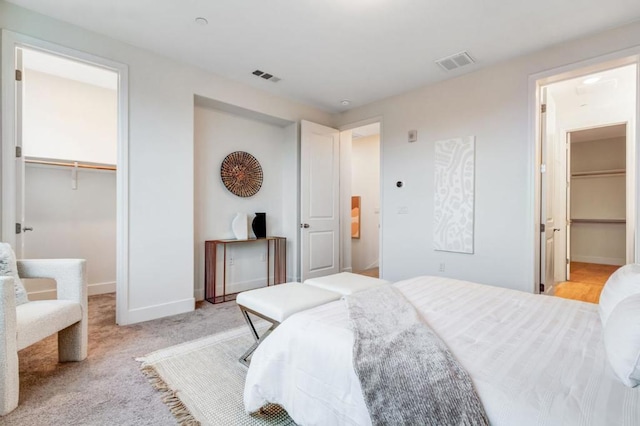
453,62
272,78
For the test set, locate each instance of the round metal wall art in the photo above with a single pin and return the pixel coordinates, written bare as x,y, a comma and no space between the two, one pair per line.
241,174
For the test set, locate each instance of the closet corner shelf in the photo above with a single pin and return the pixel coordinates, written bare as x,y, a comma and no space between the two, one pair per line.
598,221
600,173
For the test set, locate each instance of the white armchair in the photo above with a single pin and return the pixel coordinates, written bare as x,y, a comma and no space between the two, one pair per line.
23,325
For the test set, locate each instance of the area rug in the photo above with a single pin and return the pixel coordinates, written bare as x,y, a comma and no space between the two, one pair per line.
202,381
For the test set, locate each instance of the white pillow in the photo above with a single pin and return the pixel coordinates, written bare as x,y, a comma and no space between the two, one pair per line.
624,282
622,340
9,268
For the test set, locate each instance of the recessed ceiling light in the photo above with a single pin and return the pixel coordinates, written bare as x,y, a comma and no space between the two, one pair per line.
591,80
201,21
345,102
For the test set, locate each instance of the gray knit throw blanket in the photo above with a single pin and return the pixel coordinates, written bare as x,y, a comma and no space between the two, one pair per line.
407,374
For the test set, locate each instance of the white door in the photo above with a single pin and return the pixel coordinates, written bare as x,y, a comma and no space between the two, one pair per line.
547,183
568,201
20,222
320,200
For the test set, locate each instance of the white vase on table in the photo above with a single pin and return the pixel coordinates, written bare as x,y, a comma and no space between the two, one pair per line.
240,226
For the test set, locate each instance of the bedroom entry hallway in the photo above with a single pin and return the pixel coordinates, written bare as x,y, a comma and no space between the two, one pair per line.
587,177
365,200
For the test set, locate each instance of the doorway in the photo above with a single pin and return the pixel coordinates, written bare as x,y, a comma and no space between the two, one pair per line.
69,149
365,200
587,183
48,62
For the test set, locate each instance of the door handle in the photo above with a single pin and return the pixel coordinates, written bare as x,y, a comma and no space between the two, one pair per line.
304,225
27,228
556,229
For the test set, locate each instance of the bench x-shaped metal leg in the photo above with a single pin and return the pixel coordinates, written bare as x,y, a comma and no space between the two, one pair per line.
244,359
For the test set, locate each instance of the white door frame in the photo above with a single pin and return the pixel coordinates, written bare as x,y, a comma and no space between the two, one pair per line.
345,194
11,41
590,66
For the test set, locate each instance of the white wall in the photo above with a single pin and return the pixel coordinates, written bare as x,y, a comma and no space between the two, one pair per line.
365,182
161,156
217,134
70,223
68,120
494,105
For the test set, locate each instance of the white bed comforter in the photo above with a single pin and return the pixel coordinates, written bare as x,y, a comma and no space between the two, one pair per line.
534,360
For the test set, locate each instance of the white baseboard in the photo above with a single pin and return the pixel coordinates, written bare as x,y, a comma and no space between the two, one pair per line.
349,269
158,311
102,288
94,289
374,265
599,260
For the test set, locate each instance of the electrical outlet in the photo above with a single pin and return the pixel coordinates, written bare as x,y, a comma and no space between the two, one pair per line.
263,257
231,261
441,267
403,210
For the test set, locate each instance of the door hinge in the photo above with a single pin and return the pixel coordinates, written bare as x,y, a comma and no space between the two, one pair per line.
18,228
18,75
541,288
543,168
543,108
18,151
568,261
543,228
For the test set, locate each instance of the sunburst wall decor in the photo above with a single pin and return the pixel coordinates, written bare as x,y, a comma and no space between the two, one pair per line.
241,174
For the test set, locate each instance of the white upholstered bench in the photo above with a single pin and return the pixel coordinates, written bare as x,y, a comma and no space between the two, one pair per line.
277,303
345,283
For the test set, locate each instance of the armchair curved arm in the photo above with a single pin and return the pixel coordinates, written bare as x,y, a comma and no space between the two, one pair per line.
69,274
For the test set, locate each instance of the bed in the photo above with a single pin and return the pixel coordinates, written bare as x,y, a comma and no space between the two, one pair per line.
534,360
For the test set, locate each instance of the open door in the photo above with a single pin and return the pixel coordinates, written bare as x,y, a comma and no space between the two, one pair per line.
547,223
19,168
320,200
568,210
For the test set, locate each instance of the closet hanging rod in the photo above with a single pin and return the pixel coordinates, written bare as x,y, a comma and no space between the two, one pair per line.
70,164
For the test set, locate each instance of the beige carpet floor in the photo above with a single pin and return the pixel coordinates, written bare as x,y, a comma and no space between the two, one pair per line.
108,387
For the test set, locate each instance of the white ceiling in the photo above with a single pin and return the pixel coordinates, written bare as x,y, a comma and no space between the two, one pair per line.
615,89
365,131
330,50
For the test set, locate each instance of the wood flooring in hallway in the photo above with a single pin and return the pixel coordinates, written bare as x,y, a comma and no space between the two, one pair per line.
587,281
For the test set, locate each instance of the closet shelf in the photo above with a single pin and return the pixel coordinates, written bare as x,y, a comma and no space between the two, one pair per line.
598,221
66,163
601,173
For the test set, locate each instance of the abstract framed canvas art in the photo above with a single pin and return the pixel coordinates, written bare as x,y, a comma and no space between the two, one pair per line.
454,195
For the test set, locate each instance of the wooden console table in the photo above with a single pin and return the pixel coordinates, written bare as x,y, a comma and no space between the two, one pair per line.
279,246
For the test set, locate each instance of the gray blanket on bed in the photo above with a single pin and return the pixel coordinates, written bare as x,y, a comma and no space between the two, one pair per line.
407,374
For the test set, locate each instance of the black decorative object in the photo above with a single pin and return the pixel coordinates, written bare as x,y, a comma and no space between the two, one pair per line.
259,225
241,174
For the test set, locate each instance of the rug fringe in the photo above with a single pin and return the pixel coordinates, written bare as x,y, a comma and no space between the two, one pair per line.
170,398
